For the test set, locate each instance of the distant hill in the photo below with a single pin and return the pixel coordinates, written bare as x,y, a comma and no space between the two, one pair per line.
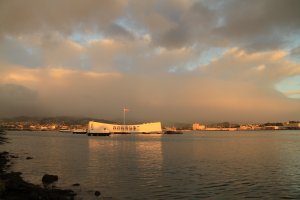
66,120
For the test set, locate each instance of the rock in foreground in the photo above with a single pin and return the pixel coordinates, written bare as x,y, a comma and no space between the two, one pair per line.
13,187
49,179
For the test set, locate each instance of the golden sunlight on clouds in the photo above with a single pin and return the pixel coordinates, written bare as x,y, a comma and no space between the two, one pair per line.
107,42
147,38
207,93
54,77
59,73
19,75
260,68
19,78
267,55
278,55
101,75
172,59
242,65
292,92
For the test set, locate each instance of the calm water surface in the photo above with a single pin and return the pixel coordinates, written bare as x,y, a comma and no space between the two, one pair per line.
207,165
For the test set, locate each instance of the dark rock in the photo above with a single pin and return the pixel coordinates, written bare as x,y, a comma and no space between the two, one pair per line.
76,184
13,156
29,158
48,179
17,188
97,193
13,187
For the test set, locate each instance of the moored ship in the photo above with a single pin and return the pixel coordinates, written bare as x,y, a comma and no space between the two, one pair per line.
79,131
65,130
173,132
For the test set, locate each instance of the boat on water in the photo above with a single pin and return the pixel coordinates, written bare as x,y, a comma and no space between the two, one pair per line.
147,133
65,130
122,133
173,132
102,133
79,131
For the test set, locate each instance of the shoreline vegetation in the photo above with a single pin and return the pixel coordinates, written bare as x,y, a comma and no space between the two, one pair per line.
13,187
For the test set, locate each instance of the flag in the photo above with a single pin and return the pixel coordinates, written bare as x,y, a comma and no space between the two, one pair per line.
125,109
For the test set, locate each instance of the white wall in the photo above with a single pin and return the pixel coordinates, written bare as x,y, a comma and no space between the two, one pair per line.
96,127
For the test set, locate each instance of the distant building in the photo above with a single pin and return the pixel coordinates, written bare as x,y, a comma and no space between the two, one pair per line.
249,127
292,125
32,127
245,127
52,127
271,128
44,128
197,126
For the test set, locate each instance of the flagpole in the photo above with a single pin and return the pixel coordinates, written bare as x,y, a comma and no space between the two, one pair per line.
123,116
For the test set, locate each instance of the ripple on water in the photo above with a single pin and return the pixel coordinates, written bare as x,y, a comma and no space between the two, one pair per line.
192,166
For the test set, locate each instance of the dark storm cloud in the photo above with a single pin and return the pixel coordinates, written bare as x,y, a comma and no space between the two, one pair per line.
259,25
296,52
65,16
174,24
256,25
117,31
15,52
16,99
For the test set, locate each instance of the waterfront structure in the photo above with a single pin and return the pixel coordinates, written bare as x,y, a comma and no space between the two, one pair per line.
248,127
197,126
292,125
79,131
220,129
98,127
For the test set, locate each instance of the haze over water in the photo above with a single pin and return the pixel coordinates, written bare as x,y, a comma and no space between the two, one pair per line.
212,165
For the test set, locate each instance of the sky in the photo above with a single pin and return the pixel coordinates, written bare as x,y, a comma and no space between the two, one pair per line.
170,60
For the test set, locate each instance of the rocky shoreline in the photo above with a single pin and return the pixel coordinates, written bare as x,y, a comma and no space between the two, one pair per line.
13,187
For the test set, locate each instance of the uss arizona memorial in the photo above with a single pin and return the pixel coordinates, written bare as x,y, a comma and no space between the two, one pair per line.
105,129
98,128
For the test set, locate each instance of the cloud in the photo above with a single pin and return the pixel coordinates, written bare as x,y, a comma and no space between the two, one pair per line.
119,32
259,25
15,51
165,60
136,58
17,99
259,67
57,51
19,17
173,24
229,88
255,25
295,54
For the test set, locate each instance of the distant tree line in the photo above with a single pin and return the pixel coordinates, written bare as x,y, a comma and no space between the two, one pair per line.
63,120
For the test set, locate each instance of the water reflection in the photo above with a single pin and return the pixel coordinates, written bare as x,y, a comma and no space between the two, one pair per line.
53,153
128,162
189,166
228,166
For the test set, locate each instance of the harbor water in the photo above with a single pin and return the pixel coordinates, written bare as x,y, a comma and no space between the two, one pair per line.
193,165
